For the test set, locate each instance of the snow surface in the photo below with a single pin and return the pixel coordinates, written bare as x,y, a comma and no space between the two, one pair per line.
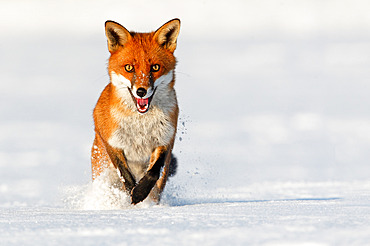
274,134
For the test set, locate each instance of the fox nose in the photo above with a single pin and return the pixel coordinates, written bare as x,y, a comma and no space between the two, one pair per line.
141,92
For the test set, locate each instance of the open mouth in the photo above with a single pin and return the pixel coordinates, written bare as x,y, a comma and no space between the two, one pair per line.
142,104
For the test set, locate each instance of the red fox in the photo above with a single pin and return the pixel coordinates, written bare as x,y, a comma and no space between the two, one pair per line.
136,115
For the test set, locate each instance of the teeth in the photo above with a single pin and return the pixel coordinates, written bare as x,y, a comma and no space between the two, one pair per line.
142,109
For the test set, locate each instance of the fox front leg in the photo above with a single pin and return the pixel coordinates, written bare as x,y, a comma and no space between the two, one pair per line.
146,183
128,179
118,160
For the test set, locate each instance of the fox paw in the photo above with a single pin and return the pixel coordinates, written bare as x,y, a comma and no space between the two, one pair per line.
142,189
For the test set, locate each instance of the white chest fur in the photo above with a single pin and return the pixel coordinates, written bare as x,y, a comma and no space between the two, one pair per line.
138,135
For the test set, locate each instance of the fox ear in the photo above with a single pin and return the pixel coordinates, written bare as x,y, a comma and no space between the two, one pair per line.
116,34
167,34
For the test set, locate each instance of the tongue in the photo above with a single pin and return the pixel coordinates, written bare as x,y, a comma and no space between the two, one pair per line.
142,103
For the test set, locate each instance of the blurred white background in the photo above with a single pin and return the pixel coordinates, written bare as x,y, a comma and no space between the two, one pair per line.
268,90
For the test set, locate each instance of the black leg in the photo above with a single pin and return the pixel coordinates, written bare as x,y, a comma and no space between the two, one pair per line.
173,166
145,185
129,181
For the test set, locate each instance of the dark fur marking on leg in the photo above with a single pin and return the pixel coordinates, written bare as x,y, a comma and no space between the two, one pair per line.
145,185
129,181
173,166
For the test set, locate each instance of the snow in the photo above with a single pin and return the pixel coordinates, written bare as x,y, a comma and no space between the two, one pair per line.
337,216
273,139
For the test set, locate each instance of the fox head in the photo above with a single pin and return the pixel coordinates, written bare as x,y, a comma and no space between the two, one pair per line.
142,63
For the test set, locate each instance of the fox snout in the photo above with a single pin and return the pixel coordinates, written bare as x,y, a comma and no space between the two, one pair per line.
142,91
142,97
142,84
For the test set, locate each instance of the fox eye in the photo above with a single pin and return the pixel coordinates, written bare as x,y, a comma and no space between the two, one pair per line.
155,68
129,68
